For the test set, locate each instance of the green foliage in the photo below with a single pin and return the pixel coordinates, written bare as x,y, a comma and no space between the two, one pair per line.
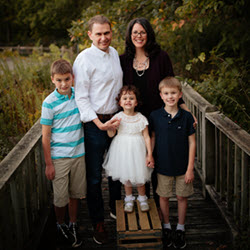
226,85
218,60
24,83
27,21
207,40
119,13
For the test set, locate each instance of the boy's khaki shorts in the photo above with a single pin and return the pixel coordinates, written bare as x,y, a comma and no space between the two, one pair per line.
165,186
70,180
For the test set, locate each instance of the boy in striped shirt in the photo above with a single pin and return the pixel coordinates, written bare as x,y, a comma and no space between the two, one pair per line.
64,152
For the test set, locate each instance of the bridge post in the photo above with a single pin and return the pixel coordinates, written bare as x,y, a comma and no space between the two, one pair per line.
24,193
208,153
205,135
245,191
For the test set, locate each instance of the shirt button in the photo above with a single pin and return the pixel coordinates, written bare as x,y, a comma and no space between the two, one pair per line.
169,122
168,115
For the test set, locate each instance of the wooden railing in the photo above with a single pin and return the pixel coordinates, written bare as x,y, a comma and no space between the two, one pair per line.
223,151
24,193
221,160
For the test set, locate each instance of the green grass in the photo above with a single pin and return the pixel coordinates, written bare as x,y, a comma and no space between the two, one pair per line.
24,83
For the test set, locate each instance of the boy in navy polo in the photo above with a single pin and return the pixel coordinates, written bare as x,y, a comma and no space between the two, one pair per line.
173,140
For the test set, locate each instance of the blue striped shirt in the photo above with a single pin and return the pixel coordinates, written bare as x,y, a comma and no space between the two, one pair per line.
62,114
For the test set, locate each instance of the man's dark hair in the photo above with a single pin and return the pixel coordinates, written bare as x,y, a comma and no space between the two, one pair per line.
98,19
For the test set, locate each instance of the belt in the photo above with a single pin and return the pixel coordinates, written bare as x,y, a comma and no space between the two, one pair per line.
104,116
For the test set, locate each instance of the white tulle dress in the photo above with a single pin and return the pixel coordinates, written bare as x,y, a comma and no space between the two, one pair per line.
126,158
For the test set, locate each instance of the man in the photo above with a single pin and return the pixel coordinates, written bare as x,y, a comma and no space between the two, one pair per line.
98,79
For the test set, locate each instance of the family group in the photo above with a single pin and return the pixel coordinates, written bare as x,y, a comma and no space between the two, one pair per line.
125,115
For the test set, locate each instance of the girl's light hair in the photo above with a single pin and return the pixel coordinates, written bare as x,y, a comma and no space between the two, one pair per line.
170,81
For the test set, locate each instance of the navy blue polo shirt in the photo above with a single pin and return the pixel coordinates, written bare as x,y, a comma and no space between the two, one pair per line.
171,140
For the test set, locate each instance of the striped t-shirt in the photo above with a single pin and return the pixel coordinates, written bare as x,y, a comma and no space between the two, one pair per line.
62,114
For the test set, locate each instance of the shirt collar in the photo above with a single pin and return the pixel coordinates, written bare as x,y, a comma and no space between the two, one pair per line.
59,96
165,113
99,51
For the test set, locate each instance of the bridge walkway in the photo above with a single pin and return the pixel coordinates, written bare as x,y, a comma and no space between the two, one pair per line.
205,227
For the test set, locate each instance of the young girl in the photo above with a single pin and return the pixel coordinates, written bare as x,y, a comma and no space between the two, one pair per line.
129,158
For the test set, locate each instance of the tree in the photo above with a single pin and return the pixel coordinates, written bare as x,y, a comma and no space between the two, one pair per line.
207,41
47,21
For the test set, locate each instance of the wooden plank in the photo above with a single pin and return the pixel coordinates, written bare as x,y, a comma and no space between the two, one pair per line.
144,246
120,221
140,235
156,223
217,165
230,174
221,207
233,131
203,217
190,95
132,221
17,155
209,152
237,172
203,231
244,190
199,129
8,221
197,138
143,218
222,151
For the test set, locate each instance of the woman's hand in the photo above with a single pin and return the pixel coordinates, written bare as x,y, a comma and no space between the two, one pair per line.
184,106
195,122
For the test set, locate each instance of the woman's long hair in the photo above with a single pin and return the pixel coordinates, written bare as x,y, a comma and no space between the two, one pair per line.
152,48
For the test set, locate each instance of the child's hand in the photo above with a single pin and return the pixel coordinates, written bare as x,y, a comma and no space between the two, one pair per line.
50,172
116,122
111,124
150,161
189,176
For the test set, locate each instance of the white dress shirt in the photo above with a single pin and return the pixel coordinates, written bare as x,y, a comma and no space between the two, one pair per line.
98,80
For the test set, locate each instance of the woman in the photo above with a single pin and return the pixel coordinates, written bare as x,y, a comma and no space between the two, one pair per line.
144,65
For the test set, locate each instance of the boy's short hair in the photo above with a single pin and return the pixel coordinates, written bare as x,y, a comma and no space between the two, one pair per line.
98,19
61,67
170,81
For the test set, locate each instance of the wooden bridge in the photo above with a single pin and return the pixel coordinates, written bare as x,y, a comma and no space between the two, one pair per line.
218,213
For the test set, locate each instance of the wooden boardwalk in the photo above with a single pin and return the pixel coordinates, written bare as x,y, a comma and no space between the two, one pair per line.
205,227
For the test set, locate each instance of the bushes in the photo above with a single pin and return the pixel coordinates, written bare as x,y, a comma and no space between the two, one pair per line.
218,61
24,83
207,40
226,85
